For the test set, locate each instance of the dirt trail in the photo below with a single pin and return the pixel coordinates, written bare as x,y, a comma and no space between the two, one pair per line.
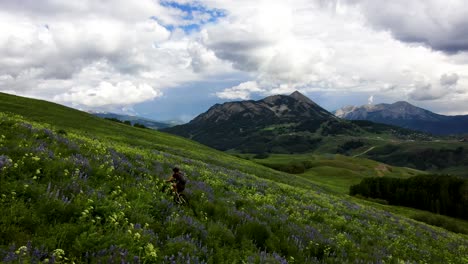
357,155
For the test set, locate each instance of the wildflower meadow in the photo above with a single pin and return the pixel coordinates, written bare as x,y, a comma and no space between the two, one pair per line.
77,196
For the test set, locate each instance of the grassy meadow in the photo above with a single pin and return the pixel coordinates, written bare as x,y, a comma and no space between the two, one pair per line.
333,171
336,173
78,189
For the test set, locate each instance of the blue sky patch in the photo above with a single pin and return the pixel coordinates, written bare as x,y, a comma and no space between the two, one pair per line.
192,15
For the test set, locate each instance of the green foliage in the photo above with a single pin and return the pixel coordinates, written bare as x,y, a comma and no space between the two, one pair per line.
333,172
254,231
423,158
334,127
441,221
396,131
94,196
441,194
294,167
139,125
263,155
349,145
113,119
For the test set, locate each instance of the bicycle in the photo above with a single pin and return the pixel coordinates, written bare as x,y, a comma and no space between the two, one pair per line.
179,198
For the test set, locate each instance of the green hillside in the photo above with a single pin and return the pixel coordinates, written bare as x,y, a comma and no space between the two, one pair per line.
334,172
76,188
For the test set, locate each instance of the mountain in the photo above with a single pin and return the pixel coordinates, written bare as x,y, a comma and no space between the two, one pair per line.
404,114
278,123
135,120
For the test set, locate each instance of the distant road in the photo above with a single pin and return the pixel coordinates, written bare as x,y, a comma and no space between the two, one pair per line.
357,155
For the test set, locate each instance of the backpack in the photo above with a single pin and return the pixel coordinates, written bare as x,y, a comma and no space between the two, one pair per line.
182,179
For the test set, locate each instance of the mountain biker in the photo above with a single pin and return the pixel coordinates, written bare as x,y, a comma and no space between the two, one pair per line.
178,180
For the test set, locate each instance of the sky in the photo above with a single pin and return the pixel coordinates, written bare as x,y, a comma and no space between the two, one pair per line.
172,60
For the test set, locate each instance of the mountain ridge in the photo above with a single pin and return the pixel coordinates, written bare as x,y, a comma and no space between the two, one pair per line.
275,105
406,115
277,123
147,122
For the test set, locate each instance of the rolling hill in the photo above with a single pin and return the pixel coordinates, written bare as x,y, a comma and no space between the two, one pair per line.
406,115
149,123
76,188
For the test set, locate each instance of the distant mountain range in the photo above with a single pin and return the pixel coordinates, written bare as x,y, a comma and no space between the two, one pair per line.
138,120
276,124
406,115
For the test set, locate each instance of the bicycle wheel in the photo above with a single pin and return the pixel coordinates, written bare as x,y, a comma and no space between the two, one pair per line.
180,199
183,199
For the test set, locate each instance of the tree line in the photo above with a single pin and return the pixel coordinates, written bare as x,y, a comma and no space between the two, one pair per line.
422,159
441,194
126,122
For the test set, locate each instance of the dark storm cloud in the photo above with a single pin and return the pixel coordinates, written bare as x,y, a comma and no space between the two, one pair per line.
440,25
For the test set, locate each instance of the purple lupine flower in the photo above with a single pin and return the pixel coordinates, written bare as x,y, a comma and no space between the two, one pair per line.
28,126
10,255
5,161
37,254
42,148
81,161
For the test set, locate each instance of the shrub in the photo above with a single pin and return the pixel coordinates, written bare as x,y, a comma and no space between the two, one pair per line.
263,155
440,221
254,231
139,125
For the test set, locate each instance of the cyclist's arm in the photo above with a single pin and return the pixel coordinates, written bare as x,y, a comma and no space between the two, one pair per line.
170,179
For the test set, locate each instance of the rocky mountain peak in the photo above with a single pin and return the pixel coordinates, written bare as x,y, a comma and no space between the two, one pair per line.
243,124
406,115
302,98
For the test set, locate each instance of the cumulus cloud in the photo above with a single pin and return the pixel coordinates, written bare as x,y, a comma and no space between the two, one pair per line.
425,92
109,94
442,25
77,52
449,79
202,59
322,46
68,51
446,86
241,91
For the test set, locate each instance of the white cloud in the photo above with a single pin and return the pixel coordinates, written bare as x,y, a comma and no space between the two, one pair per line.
77,51
327,46
449,79
108,94
241,91
67,51
202,59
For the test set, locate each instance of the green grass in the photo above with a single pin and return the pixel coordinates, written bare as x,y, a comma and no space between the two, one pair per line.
77,188
338,172
70,120
446,222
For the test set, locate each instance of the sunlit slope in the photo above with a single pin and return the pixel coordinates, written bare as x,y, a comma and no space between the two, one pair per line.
333,171
87,196
60,117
